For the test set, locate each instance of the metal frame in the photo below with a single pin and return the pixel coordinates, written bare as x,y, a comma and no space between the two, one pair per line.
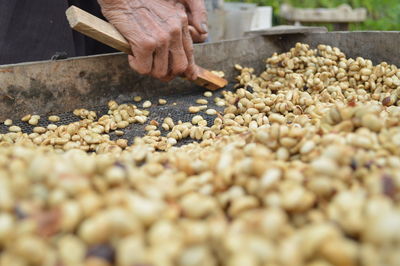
60,86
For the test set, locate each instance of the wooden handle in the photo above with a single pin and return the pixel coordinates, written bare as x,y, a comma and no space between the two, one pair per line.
106,33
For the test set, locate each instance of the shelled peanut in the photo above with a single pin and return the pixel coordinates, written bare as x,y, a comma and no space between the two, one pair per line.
301,168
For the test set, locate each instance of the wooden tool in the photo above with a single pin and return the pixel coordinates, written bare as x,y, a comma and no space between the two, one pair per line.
106,33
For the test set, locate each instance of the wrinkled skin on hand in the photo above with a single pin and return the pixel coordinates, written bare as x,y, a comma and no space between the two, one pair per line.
197,15
159,35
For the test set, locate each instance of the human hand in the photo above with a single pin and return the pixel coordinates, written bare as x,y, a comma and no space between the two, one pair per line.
197,15
158,33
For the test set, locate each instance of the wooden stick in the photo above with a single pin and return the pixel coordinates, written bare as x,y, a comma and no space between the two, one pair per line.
106,33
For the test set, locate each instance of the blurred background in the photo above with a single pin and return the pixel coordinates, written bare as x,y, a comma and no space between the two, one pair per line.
233,18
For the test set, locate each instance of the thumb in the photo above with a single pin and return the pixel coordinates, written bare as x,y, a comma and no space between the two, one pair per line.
198,15
196,36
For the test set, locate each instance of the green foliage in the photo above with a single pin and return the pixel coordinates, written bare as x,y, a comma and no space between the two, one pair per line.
382,14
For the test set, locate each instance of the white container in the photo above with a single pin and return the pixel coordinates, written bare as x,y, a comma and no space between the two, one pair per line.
216,20
262,18
216,25
238,19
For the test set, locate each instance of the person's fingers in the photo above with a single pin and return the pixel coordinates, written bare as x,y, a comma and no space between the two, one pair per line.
143,45
196,36
178,57
178,61
198,15
132,63
160,60
142,59
191,71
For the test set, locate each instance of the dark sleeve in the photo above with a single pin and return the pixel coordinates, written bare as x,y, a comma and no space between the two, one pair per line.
33,30
37,30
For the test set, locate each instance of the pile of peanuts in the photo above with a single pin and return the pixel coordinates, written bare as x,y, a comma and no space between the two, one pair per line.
302,168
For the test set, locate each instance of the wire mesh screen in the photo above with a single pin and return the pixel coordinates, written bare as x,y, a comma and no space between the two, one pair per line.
176,108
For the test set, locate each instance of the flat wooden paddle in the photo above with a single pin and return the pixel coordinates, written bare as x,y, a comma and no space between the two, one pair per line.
104,32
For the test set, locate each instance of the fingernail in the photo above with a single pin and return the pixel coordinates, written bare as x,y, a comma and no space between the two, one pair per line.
204,27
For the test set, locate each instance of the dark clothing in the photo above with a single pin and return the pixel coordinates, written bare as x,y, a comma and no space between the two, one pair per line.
32,30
